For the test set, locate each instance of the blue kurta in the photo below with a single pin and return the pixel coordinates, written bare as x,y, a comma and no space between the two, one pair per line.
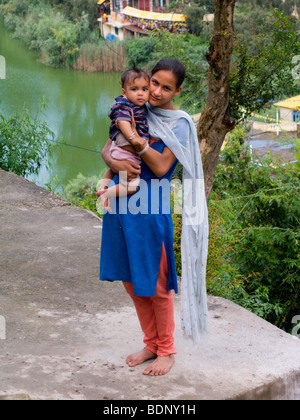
133,235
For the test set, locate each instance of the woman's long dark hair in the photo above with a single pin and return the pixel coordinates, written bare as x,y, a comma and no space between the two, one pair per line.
173,65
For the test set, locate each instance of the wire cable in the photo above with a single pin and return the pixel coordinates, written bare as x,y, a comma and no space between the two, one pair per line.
59,143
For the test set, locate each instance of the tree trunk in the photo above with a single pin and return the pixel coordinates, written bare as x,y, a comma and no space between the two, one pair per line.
215,121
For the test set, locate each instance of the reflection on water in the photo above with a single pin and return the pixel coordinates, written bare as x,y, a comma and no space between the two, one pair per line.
269,144
77,107
279,146
272,141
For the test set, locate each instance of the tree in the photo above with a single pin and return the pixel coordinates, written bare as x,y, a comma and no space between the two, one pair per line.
215,121
242,80
195,12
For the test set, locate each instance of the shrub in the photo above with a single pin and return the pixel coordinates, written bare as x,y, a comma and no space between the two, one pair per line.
47,30
24,143
260,208
81,192
145,52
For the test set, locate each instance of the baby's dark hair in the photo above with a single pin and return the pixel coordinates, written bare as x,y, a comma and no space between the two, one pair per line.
132,75
175,66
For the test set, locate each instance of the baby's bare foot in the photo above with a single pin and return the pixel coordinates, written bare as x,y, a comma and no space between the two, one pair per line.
160,366
139,357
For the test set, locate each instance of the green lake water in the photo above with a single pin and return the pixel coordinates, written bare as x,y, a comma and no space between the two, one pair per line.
77,107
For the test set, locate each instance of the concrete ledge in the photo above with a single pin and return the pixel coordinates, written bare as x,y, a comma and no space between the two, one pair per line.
67,334
286,388
15,397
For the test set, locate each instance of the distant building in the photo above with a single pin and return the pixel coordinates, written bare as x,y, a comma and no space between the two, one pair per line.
208,17
289,109
127,18
295,12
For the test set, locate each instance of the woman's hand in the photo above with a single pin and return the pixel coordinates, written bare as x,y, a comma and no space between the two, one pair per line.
132,169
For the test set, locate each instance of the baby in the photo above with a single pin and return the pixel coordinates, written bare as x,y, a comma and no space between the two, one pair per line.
135,94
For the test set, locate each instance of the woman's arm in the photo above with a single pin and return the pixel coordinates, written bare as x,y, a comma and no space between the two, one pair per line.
117,166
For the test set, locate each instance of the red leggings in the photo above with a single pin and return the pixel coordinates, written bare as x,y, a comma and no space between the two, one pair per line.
156,313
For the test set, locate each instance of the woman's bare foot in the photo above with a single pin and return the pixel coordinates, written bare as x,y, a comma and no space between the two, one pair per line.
160,366
140,357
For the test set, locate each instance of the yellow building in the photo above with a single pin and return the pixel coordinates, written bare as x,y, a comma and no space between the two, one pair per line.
121,20
289,109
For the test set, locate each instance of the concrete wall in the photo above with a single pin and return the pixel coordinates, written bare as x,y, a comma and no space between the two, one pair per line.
272,127
286,114
113,26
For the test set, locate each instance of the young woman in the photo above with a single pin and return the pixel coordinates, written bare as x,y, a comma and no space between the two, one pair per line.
137,246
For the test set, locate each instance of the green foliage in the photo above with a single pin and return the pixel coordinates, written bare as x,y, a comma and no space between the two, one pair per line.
255,233
66,39
81,192
140,50
195,12
47,30
186,48
257,302
263,73
297,153
24,143
19,8
74,9
65,34
177,225
174,5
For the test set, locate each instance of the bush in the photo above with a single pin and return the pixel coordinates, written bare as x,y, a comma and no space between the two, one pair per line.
24,143
81,192
257,215
140,50
47,30
146,52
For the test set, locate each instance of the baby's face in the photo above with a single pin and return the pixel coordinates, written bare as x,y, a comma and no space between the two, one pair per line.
137,91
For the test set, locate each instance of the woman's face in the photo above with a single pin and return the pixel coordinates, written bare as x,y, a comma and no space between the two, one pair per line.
163,89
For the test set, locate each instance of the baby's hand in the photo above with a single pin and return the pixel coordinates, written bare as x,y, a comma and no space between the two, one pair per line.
138,141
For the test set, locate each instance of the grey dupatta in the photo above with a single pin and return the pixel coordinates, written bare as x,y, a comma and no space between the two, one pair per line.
194,235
